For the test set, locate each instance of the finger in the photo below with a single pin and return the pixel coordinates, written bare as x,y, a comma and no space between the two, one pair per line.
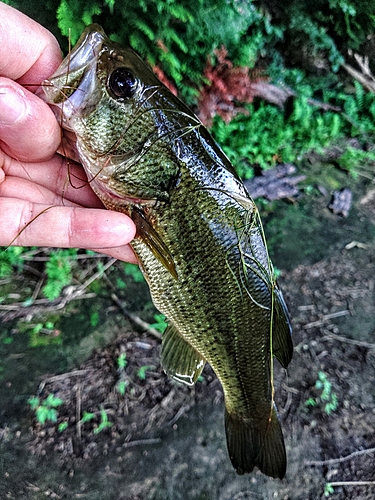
28,52
29,191
49,182
28,128
28,224
124,253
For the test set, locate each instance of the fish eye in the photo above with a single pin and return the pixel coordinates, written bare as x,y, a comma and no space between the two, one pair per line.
122,83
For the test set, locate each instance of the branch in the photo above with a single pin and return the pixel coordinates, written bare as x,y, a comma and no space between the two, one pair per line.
353,483
359,343
332,461
136,319
365,77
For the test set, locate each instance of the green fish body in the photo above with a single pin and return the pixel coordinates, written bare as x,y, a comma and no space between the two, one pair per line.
199,241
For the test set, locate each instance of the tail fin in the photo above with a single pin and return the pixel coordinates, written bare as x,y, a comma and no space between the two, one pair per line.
250,447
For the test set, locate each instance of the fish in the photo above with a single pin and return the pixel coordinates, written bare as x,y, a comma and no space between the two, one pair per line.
199,238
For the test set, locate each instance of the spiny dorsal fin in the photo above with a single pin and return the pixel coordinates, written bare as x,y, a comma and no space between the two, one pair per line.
179,359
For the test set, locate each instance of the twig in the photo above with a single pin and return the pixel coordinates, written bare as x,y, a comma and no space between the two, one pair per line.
78,412
352,483
360,343
178,415
332,461
38,287
366,78
132,317
76,292
38,302
62,376
141,442
326,318
279,95
136,319
92,278
28,256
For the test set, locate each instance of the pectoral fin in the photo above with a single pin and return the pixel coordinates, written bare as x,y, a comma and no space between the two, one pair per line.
282,346
179,359
151,238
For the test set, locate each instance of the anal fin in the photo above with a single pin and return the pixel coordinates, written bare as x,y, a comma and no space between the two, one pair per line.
179,359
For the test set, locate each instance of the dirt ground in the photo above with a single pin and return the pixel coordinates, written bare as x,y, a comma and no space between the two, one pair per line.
326,398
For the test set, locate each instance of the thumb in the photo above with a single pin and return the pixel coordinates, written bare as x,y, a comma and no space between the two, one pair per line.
28,128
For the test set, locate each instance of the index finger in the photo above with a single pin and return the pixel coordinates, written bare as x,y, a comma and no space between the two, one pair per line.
29,53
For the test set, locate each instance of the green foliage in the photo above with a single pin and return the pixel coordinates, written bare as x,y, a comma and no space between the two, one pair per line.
94,318
86,417
41,333
104,423
327,399
328,489
359,109
59,272
133,271
358,162
268,138
142,371
45,410
10,258
121,386
323,32
123,382
303,26
121,361
62,426
74,16
160,323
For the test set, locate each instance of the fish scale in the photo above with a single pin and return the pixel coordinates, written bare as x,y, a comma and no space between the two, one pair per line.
199,239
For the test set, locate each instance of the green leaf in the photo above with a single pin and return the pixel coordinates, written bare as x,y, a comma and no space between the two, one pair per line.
141,373
121,361
52,401
33,402
104,422
121,386
161,323
86,417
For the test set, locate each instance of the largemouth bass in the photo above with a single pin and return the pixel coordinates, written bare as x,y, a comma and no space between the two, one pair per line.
199,239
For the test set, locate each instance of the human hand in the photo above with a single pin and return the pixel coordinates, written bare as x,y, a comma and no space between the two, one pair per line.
33,178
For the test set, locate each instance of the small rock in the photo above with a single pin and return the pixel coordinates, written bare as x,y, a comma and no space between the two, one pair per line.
341,202
275,183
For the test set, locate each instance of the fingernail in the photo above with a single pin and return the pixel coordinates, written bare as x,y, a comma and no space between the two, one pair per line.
13,106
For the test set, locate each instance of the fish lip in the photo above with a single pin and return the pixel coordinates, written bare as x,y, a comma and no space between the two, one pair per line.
68,88
82,55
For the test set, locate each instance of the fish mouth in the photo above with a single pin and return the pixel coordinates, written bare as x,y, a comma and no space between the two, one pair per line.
69,88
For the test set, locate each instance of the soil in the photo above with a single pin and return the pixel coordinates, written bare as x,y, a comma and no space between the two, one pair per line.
326,401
